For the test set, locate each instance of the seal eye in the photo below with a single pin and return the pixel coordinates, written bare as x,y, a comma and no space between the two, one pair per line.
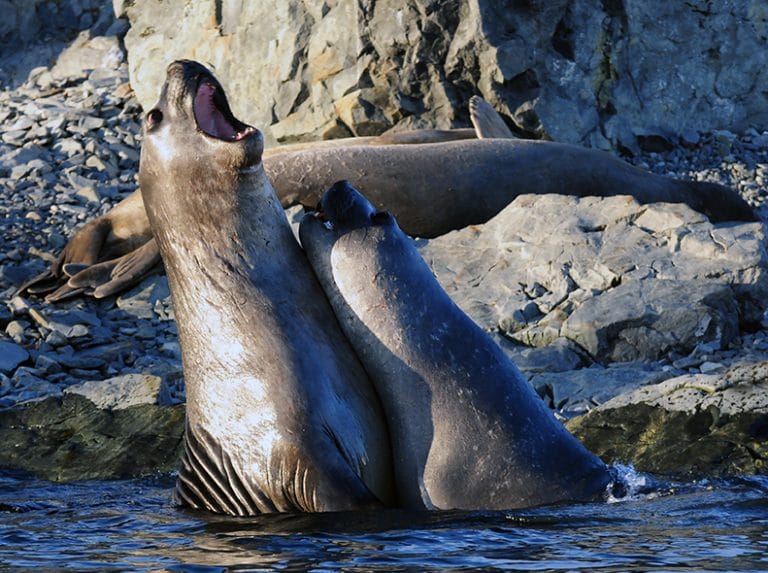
154,117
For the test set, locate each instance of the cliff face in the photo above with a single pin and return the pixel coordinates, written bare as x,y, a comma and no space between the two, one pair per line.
606,73
603,73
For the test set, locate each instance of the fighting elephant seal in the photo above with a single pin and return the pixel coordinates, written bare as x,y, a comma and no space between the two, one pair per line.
433,182
467,430
280,414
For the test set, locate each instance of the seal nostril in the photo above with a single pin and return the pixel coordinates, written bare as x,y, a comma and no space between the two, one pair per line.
379,217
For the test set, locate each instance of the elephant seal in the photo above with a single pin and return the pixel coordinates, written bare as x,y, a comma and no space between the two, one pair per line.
280,413
433,182
467,430
435,188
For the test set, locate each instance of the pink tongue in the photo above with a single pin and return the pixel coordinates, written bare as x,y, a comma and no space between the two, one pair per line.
209,118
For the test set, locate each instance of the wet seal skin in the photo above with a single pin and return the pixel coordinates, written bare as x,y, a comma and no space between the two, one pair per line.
467,430
280,414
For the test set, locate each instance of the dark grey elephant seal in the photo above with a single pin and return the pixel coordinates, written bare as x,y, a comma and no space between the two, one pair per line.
280,414
467,430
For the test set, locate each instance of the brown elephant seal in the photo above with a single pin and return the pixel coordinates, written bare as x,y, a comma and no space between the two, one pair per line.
280,414
435,188
435,182
467,430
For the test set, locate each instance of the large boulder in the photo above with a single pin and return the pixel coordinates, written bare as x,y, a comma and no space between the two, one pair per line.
623,281
582,71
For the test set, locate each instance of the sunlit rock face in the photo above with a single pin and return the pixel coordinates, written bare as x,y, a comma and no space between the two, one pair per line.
608,74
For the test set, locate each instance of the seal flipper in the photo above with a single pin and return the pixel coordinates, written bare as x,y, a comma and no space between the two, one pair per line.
83,248
487,121
115,275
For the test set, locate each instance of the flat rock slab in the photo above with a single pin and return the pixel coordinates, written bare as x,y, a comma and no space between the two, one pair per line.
579,391
649,318
624,281
120,392
702,424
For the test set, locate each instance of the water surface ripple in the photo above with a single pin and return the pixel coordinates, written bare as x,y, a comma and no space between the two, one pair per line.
134,526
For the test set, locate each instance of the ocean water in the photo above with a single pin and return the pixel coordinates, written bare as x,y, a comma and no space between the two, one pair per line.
134,526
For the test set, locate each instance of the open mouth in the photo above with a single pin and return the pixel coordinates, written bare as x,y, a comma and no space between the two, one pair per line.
214,117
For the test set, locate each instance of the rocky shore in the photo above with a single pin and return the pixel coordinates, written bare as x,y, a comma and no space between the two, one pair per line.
642,326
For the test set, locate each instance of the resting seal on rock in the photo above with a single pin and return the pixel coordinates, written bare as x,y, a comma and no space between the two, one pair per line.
432,183
280,414
467,430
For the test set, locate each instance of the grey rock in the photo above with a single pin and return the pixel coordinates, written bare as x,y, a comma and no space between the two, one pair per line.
11,355
562,355
88,53
140,301
740,389
645,320
579,391
31,386
70,323
56,338
81,360
47,365
624,281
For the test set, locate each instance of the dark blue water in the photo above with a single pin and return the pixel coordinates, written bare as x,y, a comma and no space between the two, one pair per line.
134,526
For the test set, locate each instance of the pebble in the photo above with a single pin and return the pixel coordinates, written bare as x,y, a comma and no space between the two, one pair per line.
11,355
16,330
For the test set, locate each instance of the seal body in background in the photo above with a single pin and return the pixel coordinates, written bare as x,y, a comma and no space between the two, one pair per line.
280,414
467,430
432,181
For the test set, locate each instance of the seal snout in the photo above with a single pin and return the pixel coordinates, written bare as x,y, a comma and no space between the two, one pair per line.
344,208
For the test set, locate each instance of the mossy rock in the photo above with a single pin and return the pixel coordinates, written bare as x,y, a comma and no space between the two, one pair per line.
70,438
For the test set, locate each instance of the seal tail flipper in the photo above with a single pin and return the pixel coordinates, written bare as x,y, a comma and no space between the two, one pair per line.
83,248
115,275
43,283
488,123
